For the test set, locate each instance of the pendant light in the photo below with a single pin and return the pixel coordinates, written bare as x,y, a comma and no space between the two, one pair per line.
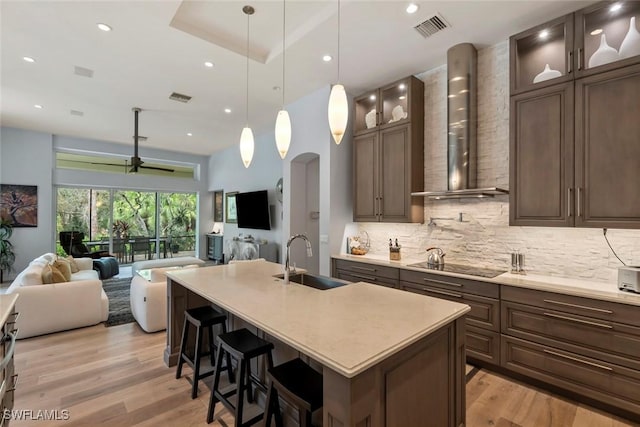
246,137
283,123
338,110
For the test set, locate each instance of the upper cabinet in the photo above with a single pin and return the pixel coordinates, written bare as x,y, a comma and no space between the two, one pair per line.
599,38
574,133
388,153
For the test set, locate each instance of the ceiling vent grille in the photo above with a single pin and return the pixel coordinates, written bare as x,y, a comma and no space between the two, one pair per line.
432,25
180,97
76,113
82,72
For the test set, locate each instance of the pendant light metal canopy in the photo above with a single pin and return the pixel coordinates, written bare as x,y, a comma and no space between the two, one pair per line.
283,123
338,110
246,137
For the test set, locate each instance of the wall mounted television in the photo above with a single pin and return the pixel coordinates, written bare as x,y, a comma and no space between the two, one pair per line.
253,210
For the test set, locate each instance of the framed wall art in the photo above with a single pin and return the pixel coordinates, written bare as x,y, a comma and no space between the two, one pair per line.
19,205
231,215
218,206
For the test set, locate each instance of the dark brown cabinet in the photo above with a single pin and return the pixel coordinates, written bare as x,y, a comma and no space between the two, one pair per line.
388,153
362,272
573,145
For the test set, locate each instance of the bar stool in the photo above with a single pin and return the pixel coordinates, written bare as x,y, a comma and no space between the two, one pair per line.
201,317
243,346
297,383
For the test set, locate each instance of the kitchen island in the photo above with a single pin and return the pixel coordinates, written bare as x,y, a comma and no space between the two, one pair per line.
388,357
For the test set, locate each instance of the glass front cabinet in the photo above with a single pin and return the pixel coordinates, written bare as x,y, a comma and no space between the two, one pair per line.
599,38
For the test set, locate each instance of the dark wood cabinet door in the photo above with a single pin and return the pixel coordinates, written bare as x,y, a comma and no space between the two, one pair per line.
395,167
365,177
541,157
608,149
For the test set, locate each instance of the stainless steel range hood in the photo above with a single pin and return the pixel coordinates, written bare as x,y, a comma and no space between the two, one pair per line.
462,62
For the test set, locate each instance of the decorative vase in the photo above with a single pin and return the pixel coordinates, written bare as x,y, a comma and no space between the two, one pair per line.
370,119
631,44
604,54
546,74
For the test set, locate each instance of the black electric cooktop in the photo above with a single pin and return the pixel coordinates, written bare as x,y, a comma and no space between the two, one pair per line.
461,269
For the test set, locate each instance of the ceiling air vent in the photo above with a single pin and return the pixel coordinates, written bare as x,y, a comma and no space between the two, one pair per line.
82,72
180,97
76,113
432,25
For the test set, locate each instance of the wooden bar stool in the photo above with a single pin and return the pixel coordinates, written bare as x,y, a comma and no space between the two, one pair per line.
243,346
297,383
201,317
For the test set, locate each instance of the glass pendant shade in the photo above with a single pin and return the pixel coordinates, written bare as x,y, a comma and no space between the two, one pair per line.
338,112
283,133
246,146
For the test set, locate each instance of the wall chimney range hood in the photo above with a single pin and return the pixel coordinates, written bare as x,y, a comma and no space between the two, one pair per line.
461,117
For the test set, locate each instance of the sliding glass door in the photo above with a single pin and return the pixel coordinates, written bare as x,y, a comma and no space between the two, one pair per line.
86,212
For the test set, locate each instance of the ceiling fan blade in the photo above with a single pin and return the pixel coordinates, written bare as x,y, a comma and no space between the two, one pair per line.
158,168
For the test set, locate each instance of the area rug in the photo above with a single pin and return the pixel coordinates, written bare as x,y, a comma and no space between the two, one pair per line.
117,291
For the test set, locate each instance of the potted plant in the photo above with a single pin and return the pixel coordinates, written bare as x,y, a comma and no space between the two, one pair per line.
7,257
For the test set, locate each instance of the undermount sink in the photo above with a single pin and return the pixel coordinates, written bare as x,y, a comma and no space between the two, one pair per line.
318,282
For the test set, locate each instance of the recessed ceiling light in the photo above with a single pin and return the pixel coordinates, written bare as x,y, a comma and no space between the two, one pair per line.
401,86
401,97
189,134
616,7
412,8
372,97
208,64
227,110
28,59
38,106
596,32
327,58
544,34
104,27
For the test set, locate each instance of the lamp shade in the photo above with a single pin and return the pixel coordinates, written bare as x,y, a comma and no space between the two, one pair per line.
246,146
338,112
283,133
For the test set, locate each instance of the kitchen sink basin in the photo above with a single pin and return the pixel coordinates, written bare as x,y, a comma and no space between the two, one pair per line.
319,282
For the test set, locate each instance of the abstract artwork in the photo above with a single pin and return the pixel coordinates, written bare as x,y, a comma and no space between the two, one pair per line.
19,205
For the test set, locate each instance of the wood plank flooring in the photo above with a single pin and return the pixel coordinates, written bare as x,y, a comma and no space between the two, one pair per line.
116,377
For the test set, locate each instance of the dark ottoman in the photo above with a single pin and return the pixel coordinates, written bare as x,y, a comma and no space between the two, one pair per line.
106,267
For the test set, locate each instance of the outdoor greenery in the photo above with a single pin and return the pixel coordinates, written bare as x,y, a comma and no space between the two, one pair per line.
7,257
134,214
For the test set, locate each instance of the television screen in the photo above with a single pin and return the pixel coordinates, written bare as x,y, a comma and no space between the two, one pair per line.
253,210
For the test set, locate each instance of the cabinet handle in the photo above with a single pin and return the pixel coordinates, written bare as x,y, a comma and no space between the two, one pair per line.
443,283
579,58
355,267
569,202
584,307
569,62
578,208
14,384
450,294
584,322
575,359
362,276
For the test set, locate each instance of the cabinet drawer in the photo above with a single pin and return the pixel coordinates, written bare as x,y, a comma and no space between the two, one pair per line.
485,312
366,269
621,313
619,342
593,378
455,284
357,277
482,344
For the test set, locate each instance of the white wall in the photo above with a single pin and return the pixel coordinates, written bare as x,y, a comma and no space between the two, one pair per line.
485,237
28,158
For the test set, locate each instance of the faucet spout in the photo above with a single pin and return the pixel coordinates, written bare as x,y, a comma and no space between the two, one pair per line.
287,270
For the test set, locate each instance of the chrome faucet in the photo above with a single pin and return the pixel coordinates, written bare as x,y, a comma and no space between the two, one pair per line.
287,270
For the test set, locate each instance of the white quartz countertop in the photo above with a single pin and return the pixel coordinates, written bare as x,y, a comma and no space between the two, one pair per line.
606,291
349,329
7,302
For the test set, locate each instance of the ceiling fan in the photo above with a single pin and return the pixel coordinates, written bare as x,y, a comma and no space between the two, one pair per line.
136,161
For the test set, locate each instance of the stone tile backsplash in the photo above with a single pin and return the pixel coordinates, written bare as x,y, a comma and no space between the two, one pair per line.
484,237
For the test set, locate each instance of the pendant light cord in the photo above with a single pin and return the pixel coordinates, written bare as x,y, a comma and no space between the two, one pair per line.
247,100
338,42
284,46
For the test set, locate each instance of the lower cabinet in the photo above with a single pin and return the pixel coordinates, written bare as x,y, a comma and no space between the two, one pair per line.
215,249
352,271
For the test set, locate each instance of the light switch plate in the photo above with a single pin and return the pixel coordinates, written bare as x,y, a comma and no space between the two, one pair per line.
324,238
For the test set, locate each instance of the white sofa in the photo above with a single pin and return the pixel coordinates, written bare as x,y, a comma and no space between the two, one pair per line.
46,308
149,294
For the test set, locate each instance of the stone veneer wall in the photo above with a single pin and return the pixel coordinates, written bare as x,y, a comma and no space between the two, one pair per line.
484,237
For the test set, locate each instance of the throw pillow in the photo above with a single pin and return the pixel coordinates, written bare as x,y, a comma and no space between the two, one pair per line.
57,276
64,267
47,275
73,264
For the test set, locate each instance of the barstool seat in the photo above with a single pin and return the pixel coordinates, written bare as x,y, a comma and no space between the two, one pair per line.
201,317
297,383
242,345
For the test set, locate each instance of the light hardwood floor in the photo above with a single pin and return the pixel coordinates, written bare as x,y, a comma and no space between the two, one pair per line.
116,377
